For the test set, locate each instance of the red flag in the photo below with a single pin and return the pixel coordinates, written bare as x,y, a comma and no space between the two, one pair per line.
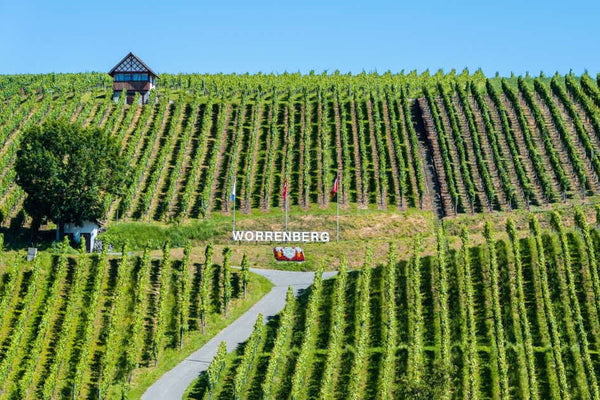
335,187
285,190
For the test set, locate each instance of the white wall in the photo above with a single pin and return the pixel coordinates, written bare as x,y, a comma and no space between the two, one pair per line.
87,227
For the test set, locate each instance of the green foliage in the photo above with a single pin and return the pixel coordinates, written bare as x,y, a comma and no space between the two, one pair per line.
434,386
215,369
140,302
299,379
164,313
186,276
509,133
140,235
226,280
205,284
280,346
495,143
251,353
336,334
245,278
390,334
67,171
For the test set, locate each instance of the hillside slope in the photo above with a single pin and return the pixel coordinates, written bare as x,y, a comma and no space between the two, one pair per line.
450,143
513,318
98,327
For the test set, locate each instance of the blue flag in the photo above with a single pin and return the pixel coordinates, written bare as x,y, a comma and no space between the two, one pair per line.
233,191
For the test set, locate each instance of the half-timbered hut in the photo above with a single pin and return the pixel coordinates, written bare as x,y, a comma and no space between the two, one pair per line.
131,75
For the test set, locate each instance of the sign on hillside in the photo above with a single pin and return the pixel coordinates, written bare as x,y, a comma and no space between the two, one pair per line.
278,236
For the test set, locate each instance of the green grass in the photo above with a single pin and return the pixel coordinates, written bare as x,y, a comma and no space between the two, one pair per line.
359,228
139,235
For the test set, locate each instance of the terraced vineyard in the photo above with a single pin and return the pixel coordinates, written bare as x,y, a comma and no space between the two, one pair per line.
510,318
515,144
514,318
82,327
453,143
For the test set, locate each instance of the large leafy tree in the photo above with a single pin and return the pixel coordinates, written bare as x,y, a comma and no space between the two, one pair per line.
68,171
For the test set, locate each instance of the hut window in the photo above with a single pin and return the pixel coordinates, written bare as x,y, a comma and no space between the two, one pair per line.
131,77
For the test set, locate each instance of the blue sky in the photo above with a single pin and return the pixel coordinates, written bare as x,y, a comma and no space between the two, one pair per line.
277,36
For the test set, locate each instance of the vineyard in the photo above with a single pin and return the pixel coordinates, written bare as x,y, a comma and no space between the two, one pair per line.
496,315
449,143
86,326
516,144
513,318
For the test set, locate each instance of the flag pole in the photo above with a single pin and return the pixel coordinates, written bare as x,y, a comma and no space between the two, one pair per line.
286,213
233,196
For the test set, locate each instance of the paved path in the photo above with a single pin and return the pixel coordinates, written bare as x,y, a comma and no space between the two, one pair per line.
174,383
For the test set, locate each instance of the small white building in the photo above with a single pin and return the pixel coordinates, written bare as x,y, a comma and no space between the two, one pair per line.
88,229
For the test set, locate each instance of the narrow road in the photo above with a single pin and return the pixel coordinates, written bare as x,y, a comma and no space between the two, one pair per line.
174,383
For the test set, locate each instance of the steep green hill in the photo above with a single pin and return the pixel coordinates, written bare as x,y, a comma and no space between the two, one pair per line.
449,143
514,317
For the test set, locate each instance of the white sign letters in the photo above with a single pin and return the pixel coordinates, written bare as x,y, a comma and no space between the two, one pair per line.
278,236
